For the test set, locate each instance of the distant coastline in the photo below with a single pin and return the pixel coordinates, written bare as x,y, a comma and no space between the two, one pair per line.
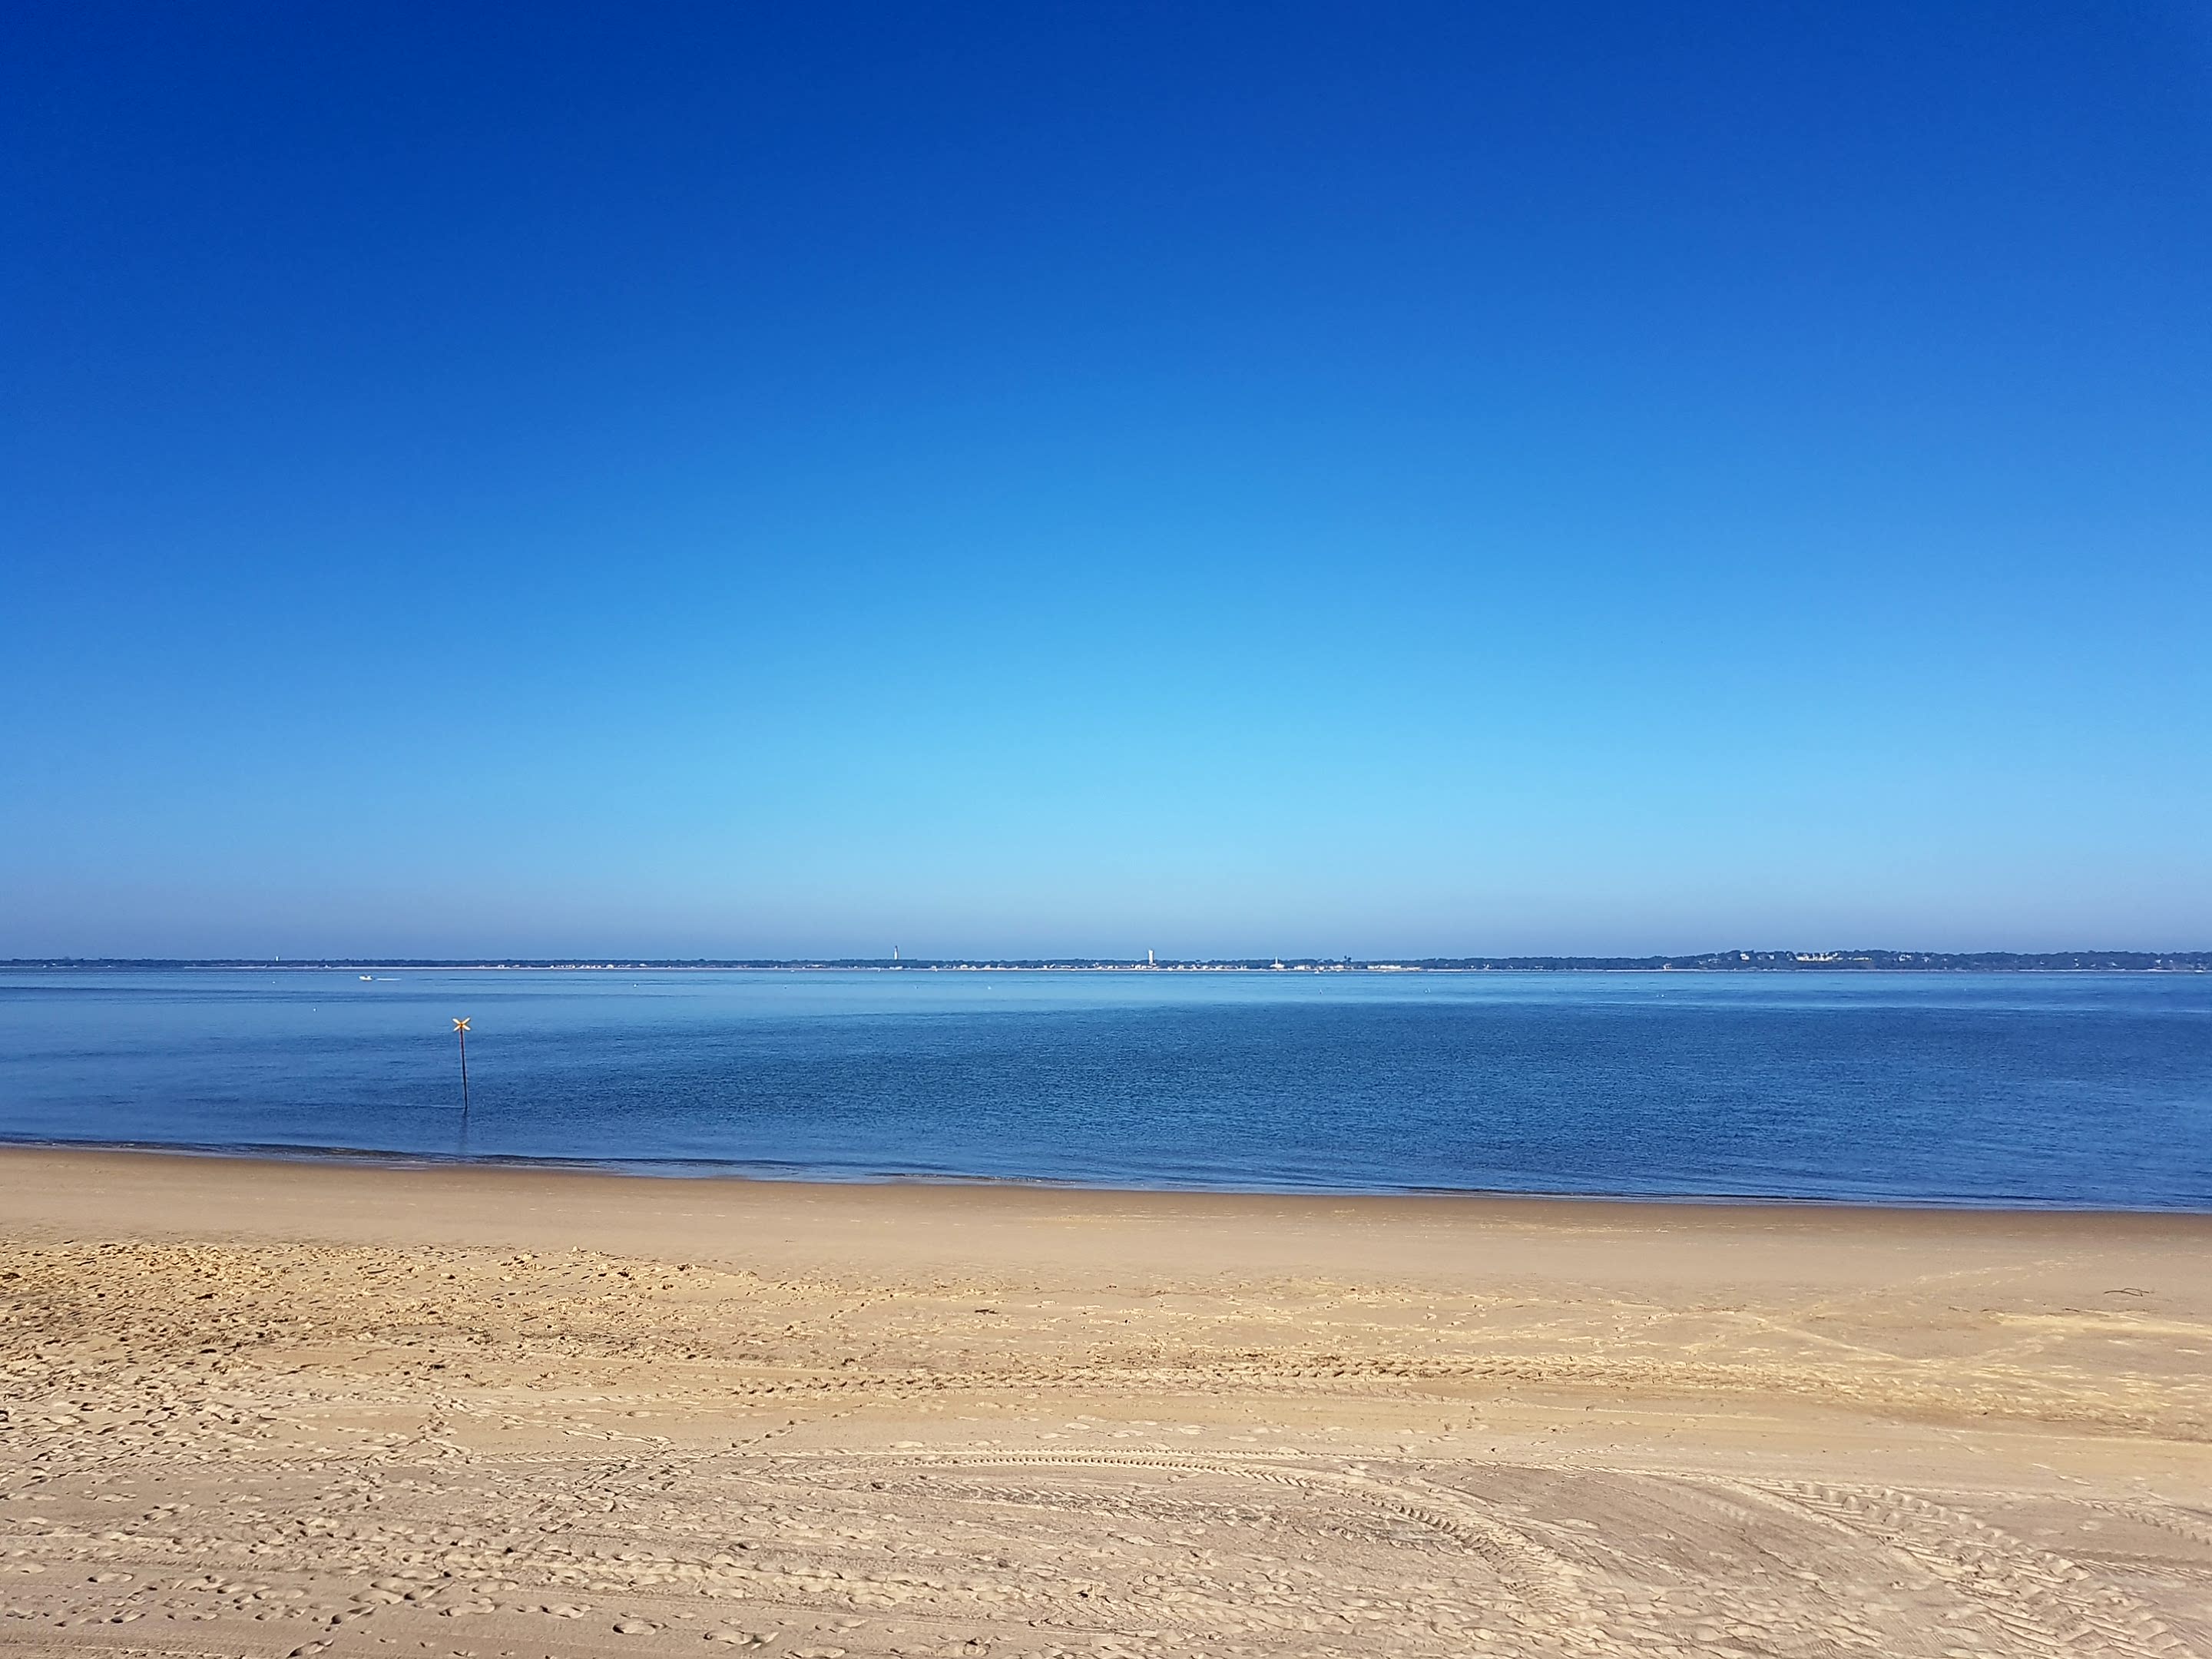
1920,962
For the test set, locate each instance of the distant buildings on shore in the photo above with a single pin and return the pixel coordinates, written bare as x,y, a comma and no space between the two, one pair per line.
2107,962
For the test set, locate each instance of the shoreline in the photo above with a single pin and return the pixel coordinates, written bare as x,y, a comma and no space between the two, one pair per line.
712,1172
44,1188
892,1234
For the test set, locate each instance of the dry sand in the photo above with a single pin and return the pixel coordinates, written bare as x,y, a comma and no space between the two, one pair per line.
270,1409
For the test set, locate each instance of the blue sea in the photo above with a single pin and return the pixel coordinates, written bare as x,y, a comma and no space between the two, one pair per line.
2000,1090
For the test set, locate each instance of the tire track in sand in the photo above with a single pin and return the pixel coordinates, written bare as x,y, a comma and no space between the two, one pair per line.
2042,1600
1543,1580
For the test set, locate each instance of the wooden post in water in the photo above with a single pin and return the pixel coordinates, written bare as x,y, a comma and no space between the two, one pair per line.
461,1031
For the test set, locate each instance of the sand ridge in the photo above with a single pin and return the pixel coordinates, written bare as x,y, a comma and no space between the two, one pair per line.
267,1409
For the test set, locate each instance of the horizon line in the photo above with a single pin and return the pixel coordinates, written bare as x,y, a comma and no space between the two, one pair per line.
1856,959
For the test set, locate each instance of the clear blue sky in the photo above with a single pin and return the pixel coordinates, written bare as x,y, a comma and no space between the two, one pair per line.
1227,479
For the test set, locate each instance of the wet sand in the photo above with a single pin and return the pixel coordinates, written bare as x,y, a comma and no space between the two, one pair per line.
260,1408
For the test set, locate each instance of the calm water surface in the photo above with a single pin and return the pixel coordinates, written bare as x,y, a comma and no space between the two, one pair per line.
2005,1088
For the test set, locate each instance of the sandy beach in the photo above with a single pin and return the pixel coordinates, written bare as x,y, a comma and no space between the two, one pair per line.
266,1409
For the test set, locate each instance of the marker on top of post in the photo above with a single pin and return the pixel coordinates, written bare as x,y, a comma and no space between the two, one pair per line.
461,1031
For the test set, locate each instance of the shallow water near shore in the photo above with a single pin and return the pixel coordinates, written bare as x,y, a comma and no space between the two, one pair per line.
2088,1091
